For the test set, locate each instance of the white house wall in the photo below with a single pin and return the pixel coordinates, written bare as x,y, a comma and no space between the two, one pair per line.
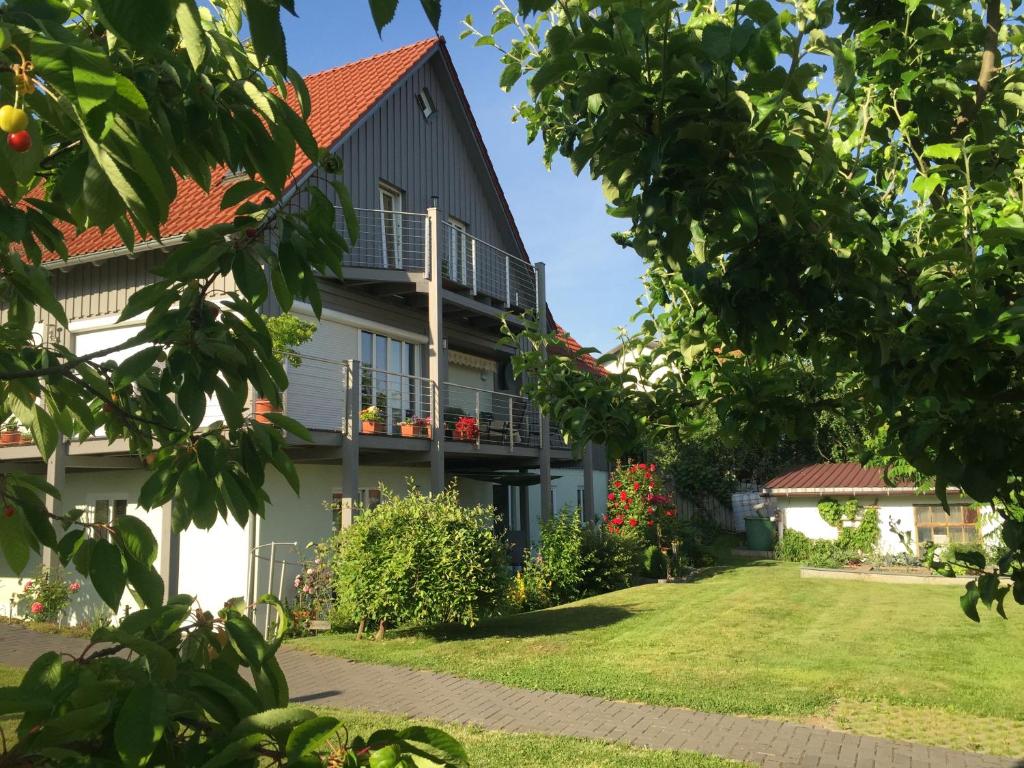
801,514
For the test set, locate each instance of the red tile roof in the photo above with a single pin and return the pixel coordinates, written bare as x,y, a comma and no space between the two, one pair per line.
834,477
586,361
339,98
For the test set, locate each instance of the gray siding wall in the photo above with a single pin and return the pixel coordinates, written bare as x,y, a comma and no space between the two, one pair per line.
424,158
103,288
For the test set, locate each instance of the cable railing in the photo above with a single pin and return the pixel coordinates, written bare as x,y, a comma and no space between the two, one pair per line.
388,239
485,269
316,392
394,403
485,417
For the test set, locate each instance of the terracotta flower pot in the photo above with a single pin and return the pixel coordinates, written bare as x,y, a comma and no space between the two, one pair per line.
263,406
26,438
10,437
408,430
373,428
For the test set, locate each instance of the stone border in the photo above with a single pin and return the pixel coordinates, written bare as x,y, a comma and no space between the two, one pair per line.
807,572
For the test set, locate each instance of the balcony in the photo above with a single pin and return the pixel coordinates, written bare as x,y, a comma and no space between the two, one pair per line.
470,417
400,240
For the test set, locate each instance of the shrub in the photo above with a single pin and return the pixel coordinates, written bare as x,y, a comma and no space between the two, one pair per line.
654,563
793,547
561,555
964,556
421,559
611,559
530,589
46,596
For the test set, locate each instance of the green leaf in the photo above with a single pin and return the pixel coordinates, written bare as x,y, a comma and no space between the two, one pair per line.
143,25
307,737
14,542
289,425
267,34
137,539
107,571
239,191
383,11
442,747
388,757
247,639
433,10
510,75
716,41
969,602
140,724
943,151
93,77
192,35
132,368
925,185
278,720
551,72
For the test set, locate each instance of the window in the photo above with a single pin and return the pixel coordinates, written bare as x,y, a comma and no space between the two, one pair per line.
369,498
390,226
106,512
425,103
459,245
933,524
393,377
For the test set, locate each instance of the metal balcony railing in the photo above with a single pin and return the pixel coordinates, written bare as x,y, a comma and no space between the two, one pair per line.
388,240
484,417
401,403
485,269
316,393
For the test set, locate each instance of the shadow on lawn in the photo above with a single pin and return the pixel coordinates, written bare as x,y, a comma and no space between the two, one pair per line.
552,621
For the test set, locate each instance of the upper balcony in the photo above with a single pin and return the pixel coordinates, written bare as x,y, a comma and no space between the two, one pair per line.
401,241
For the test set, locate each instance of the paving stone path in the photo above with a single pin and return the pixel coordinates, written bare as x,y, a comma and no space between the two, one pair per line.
329,681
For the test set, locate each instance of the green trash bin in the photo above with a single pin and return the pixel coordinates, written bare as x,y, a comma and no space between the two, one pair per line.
760,533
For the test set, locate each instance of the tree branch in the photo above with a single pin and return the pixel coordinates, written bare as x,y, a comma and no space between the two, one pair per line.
989,64
68,365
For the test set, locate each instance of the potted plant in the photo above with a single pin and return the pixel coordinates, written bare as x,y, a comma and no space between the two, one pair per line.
372,420
466,430
25,438
286,333
422,425
10,434
407,428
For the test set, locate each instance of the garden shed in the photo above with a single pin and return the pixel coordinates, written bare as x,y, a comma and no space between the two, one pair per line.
795,497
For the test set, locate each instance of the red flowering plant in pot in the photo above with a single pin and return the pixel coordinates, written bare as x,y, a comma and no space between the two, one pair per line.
466,429
638,505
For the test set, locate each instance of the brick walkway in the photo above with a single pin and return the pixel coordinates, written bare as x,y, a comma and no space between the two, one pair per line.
328,681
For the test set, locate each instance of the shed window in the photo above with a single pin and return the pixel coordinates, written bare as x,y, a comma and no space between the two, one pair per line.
933,524
425,103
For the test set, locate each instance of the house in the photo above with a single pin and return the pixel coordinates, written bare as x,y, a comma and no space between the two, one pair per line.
902,507
414,329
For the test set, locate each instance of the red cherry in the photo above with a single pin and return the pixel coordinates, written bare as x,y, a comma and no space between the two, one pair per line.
8,511
20,141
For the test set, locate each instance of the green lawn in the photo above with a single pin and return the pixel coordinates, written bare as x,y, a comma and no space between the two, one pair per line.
492,749
891,660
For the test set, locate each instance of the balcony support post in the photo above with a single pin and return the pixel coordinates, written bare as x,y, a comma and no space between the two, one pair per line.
546,507
437,354
350,441
589,512
55,474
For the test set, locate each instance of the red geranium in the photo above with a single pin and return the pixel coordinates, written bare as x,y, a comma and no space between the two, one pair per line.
632,522
618,483
37,607
616,520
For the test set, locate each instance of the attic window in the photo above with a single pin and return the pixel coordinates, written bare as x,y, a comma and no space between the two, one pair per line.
425,103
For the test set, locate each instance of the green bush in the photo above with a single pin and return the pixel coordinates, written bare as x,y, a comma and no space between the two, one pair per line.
421,559
965,557
611,559
561,555
793,547
654,563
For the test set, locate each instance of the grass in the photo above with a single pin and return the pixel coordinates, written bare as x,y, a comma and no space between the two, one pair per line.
899,661
494,749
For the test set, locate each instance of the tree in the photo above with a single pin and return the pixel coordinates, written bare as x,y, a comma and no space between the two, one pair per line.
824,192
109,107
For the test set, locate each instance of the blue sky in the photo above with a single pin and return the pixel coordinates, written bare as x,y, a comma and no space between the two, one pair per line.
592,282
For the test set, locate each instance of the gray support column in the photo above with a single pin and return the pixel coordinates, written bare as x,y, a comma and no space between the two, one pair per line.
56,469
168,551
350,442
546,511
524,512
589,514
437,353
